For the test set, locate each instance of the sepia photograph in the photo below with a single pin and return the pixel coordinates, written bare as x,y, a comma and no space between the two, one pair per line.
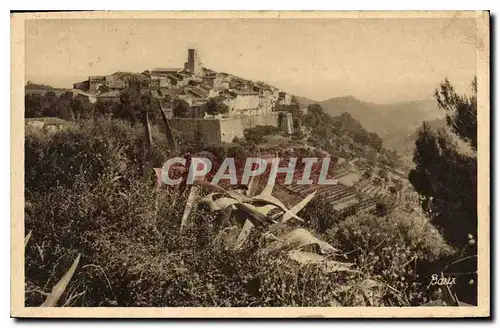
250,164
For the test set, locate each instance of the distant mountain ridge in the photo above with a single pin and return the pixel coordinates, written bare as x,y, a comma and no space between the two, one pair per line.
395,123
304,101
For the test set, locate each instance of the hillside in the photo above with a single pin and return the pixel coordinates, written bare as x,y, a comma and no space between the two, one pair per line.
394,122
141,243
35,86
304,101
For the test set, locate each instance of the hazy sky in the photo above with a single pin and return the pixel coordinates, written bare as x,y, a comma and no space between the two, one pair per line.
377,60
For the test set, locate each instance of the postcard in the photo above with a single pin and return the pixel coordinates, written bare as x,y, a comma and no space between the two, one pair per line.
250,164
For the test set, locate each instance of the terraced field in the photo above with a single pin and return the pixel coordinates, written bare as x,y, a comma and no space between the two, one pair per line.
374,193
362,196
342,198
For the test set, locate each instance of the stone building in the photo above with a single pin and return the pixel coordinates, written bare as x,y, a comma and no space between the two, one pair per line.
84,85
241,102
246,100
118,80
113,95
48,124
165,71
285,98
211,80
253,103
160,81
285,122
79,93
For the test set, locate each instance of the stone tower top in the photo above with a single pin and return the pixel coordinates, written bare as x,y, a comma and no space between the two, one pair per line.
193,63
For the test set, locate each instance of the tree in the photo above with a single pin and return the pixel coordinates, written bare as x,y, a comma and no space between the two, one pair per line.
444,176
50,105
375,141
133,105
32,105
180,108
255,135
381,208
129,107
103,89
315,109
461,111
33,86
215,106
293,108
63,107
150,105
104,107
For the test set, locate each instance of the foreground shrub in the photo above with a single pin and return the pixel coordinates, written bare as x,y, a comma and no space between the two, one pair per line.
88,151
86,195
319,215
134,254
392,249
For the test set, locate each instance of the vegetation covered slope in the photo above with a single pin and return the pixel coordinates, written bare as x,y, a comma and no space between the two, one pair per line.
445,176
86,194
344,136
393,122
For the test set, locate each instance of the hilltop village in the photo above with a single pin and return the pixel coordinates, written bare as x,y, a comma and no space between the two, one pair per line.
299,202
248,103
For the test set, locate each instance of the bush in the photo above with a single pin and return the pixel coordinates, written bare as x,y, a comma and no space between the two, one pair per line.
319,215
257,134
85,194
216,106
88,151
134,255
381,208
128,234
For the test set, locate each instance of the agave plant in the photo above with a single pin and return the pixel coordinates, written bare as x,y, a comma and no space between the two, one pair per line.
60,287
260,210
265,210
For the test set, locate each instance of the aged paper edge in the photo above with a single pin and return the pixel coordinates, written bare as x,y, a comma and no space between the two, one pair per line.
17,174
